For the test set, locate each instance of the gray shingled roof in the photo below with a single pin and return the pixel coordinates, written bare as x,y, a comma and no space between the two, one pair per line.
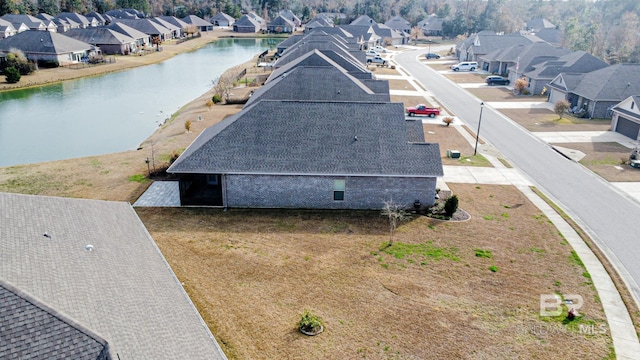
99,35
43,42
612,83
31,21
363,20
574,62
324,58
398,23
145,25
197,21
282,21
123,289
166,24
30,329
248,22
319,21
78,18
303,47
174,21
317,83
127,30
306,137
222,16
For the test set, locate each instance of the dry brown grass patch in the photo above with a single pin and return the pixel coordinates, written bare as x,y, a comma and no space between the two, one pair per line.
253,272
537,119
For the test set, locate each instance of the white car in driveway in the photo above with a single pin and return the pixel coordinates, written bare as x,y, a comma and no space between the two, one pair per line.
465,65
380,49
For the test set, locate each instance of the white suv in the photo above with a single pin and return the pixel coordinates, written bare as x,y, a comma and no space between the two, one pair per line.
465,65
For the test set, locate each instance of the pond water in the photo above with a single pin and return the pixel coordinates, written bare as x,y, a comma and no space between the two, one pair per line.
113,112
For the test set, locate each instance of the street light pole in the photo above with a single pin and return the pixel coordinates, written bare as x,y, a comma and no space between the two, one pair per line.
475,150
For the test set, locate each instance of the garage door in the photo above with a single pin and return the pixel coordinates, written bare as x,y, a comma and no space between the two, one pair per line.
556,96
628,128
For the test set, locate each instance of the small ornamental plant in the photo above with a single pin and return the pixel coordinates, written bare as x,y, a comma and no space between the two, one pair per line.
310,324
447,120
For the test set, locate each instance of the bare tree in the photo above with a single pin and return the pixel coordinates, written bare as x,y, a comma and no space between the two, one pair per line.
396,215
223,85
416,32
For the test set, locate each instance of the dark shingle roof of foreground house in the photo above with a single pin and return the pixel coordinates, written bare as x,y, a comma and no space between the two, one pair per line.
312,138
45,333
95,262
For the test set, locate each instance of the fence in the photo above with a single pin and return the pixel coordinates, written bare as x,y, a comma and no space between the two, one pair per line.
86,64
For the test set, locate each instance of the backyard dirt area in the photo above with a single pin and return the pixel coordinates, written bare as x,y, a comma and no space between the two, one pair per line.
444,290
609,160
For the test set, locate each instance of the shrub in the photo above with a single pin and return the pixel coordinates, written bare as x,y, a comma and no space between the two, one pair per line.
187,125
447,120
309,322
216,99
12,75
560,107
16,59
209,104
520,84
451,205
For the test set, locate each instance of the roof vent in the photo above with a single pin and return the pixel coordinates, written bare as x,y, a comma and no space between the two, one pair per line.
89,247
355,138
46,234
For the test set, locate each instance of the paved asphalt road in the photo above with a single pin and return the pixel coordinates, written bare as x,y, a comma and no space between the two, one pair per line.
610,217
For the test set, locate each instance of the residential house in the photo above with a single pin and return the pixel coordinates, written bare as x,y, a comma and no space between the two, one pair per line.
108,40
431,26
176,31
65,25
329,82
98,19
202,24
310,154
328,58
543,73
149,27
222,20
367,36
249,24
7,29
281,25
318,22
88,282
626,117
175,22
141,39
537,24
31,22
398,23
78,18
516,60
595,94
284,44
47,46
390,36
485,42
289,15
363,20
338,49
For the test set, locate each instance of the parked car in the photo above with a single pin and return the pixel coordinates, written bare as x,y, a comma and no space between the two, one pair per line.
432,56
496,80
379,48
372,53
422,109
376,60
465,65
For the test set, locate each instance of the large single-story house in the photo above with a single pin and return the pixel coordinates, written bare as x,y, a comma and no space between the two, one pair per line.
223,20
399,23
202,24
7,29
431,26
108,40
281,25
248,24
149,27
83,279
31,22
47,46
595,94
142,39
310,154
626,117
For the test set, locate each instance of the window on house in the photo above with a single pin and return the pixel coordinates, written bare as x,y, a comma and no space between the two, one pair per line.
338,190
212,180
632,105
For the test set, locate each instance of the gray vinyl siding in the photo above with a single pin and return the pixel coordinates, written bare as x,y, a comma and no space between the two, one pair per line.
316,192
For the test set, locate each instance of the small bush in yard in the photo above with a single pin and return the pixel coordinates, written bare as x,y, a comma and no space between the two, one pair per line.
216,99
447,120
451,205
309,322
12,75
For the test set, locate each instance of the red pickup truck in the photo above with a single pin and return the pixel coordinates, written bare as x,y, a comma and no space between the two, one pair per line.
422,109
